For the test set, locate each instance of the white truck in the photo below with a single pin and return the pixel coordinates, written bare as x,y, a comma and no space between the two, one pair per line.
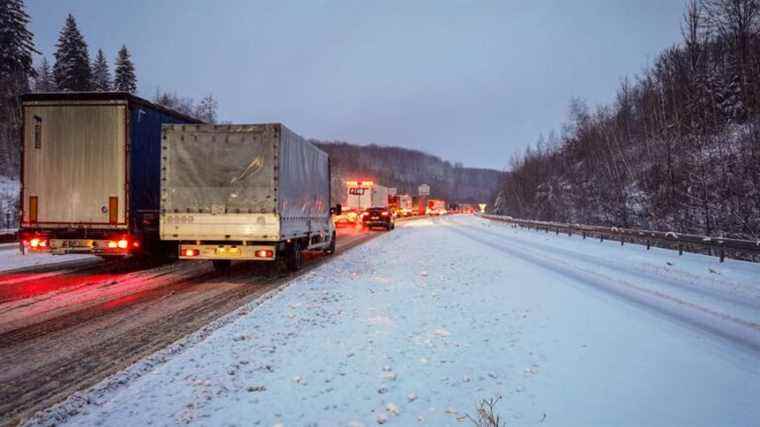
360,196
405,204
244,192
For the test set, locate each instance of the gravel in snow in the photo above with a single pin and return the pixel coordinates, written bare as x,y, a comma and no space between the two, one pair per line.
418,325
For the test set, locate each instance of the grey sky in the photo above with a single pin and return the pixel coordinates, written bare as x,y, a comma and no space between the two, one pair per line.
465,80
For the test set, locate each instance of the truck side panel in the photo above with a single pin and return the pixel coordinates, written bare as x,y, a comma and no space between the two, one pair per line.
145,168
75,165
303,186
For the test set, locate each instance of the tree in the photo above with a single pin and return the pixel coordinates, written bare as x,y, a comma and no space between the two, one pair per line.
101,76
16,41
72,62
206,109
16,67
44,81
124,76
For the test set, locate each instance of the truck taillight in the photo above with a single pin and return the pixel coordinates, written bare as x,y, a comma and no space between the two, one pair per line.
38,243
113,244
191,252
385,213
264,253
122,244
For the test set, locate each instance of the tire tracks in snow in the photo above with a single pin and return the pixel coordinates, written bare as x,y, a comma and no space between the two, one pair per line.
51,359
726,326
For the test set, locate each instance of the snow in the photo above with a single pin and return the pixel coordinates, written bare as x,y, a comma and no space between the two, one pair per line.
9,193
12,259
368,339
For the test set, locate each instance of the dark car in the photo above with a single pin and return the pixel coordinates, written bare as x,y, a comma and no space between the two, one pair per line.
378,217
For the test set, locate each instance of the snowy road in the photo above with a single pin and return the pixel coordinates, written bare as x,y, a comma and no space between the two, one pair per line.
65,326
415,326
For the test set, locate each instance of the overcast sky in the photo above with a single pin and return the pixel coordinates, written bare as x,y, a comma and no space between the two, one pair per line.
468,81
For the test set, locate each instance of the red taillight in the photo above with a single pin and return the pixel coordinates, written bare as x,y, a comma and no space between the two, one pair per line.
192,252
36,243
264,253
136,244
112,244
384,214
122,244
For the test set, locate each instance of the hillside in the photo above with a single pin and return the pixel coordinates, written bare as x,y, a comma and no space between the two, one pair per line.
406,169
678,149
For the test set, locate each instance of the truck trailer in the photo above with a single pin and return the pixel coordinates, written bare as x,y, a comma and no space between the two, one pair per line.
244,192
90,171
360,196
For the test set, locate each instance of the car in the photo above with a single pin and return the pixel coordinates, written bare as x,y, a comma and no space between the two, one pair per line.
378,217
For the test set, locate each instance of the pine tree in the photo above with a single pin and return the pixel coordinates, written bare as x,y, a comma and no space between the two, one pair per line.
72,62
124,76
44,81
101,76
16,42
16,67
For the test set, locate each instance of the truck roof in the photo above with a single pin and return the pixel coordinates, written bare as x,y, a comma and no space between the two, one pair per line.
104,96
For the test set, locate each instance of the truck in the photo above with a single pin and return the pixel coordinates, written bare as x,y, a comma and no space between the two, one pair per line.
405,205
256,192
90,171
436,207
360,196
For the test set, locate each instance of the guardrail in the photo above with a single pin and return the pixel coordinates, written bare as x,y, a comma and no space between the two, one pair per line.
714,246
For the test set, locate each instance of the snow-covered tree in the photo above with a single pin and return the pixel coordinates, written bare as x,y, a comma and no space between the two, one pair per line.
125,79
16,41
16,68
72,62
206,109
44,81
101,76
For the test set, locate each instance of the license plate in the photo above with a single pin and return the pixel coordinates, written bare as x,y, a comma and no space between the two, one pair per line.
79,243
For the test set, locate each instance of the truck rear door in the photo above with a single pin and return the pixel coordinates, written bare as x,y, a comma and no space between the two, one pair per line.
75,164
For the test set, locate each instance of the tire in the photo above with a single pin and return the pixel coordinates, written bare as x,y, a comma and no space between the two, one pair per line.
221,264
331,249
294,259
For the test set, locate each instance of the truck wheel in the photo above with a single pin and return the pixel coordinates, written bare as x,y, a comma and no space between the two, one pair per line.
295,256
331,249
221,264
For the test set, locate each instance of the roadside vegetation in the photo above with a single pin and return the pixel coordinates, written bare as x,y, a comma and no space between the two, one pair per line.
678,150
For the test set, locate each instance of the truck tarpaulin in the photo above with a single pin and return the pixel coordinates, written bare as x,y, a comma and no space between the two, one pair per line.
226,170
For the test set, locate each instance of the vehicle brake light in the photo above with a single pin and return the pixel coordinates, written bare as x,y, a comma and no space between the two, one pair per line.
112,244
122,244
384,214
192,252
264,253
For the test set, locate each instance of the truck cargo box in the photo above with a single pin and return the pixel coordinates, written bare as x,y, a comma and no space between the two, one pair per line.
242,184
90,170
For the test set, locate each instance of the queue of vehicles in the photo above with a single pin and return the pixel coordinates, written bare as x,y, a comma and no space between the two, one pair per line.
111,174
